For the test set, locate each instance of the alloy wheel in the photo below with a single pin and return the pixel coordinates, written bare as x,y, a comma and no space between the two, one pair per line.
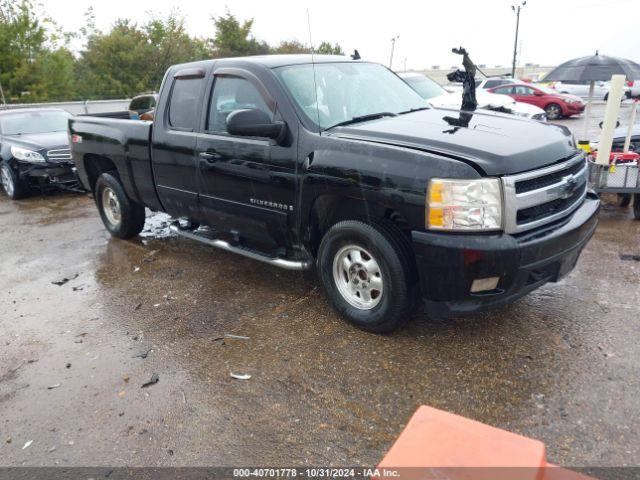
7,180
111,206
358,277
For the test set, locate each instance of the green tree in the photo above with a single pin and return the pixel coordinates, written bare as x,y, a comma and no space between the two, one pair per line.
115,64
328,49
234,39
30,46
172,45
291,46
130,59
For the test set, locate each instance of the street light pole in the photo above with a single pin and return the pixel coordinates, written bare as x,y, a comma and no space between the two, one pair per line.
393,45
515,43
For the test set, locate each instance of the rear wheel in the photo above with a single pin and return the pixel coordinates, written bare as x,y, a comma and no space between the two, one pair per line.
11,183
624,199
122,217
365,272
554,111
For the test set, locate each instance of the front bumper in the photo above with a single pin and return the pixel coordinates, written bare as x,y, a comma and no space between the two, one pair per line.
449,263
60,174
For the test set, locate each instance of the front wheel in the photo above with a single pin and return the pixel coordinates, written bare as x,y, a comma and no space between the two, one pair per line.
122,217
636,206
554,111
366,274
11,183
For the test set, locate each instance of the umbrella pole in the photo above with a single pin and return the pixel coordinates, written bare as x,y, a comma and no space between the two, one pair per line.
610,117
632,119
587,113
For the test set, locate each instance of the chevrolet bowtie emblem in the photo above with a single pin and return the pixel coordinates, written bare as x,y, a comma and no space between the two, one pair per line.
570,183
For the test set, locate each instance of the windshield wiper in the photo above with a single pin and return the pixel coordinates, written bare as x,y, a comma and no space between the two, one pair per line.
411,110
364,118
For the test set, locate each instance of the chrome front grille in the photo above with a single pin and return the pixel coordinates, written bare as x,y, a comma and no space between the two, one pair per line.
59,155
534,199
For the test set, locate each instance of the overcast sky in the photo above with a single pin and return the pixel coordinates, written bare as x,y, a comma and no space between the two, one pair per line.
551,31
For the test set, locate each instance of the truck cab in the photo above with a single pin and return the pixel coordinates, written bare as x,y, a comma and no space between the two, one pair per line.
338,164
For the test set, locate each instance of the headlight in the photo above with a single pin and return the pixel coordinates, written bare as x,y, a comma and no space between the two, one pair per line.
464,205
26,155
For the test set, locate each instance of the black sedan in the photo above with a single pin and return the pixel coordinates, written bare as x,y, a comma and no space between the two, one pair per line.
34,151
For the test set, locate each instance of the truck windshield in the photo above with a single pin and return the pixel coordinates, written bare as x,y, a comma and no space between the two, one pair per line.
347,91
26,123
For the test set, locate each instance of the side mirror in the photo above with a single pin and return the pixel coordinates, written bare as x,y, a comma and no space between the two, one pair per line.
538,94
254,123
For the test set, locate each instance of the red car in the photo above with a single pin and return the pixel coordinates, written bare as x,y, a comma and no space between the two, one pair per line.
555,104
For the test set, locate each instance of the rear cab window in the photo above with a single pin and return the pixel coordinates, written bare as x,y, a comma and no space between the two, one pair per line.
183,103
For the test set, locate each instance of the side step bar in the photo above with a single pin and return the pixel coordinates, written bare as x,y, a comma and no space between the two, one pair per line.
215,242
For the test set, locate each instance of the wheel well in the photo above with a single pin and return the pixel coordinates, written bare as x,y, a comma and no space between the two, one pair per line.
96,165
331,209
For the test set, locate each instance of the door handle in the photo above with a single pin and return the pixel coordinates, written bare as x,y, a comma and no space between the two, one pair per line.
210,156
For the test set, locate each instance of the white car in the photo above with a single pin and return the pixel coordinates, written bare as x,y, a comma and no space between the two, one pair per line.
486,83
581,89
438,97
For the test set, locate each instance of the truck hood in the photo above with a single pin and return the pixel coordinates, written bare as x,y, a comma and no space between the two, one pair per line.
497,144
39,141
487,100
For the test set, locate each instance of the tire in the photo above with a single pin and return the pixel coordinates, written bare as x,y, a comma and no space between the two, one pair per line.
11,183
553,111
636,206
606,96
120,215
344,259
624,200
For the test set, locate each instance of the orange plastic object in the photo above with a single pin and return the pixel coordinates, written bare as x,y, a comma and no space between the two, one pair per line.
437,444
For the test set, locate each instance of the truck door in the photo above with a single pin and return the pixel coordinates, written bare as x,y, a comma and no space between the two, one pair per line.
174,143
246,184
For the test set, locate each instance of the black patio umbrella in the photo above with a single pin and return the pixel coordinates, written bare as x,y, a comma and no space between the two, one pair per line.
594,68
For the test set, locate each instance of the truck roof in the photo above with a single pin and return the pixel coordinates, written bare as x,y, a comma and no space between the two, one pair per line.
274,61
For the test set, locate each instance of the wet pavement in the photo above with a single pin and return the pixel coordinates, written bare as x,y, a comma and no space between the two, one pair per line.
560,365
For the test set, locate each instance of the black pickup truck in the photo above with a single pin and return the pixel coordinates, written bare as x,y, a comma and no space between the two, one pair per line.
339,164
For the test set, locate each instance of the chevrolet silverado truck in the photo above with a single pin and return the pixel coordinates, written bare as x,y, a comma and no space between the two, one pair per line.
338,164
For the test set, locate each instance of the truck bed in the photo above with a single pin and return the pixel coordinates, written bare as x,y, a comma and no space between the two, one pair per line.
124,142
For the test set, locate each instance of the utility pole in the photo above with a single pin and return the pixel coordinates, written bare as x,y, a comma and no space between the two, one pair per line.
515,43
393,45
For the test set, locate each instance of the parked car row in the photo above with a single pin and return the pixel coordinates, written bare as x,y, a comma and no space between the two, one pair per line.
581,89
438,97
556,105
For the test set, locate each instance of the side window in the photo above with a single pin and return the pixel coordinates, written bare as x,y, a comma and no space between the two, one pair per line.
229,94
183,104
504,90
137,104
520,90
